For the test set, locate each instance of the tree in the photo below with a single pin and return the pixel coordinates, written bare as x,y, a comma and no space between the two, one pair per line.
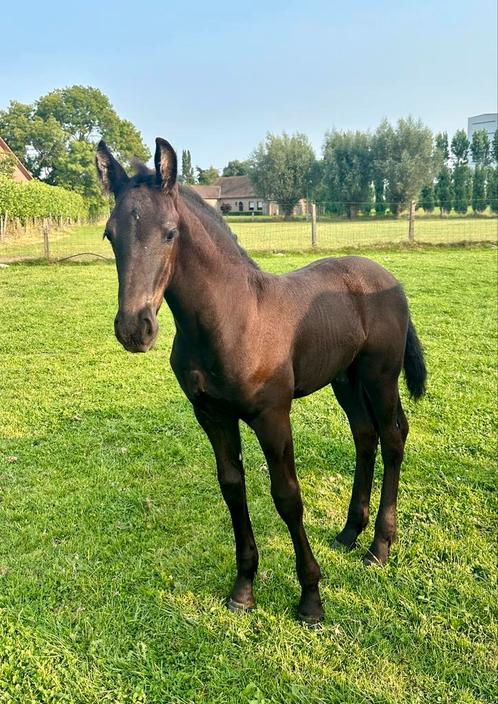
380,198
187,175
427,198
494,147
225,208
441,146
461,187
479,189
460,146
404,156
55,137
206,177
347,170
237,168
443,190
479,148
7,165
493,189
281,167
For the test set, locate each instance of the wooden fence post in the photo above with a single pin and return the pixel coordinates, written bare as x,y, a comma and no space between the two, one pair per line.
313,224
46,243
411,223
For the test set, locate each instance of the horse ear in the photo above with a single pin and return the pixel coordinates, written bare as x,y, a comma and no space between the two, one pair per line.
111,174
166,164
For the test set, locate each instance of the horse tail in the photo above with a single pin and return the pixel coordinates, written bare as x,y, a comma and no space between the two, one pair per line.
414,364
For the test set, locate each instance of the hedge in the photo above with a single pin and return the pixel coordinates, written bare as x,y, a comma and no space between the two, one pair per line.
39,200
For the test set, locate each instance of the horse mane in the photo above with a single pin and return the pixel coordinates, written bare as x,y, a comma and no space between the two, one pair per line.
219,231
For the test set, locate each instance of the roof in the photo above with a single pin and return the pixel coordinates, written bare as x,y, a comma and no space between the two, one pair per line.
208,192
4,147
227,187
236,187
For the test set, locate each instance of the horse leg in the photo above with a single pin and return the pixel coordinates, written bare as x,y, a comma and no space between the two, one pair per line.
350,396
223,433
274,433
393,429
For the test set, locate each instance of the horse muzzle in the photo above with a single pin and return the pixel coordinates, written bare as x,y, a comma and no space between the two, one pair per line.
136,331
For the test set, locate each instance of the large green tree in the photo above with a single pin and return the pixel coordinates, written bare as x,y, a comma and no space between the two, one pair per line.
347,170
207,176
281,169
237,168
56,135
404,155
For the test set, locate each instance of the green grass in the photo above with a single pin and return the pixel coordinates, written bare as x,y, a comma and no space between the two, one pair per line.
278,235
115,547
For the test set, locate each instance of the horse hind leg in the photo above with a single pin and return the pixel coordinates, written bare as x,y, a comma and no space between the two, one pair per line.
391,421
351,397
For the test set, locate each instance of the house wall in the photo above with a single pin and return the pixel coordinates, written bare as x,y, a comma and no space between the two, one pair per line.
18,174
234,203
212,201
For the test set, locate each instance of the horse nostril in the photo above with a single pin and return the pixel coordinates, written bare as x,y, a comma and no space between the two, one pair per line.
148,327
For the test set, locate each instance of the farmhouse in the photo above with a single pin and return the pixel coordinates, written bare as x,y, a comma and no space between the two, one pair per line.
236,194
20,172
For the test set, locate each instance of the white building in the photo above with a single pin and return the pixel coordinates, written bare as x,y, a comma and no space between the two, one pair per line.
487,121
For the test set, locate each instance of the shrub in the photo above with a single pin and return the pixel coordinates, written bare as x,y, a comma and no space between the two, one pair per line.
38,200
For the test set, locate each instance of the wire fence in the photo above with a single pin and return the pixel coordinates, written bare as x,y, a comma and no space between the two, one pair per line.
54,240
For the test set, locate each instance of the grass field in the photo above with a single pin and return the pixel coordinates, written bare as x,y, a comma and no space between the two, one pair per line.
281,236
115,546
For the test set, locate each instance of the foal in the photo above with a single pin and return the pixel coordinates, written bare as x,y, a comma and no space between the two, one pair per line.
248,342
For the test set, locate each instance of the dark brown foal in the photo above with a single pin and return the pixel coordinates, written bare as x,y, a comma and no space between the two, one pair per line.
247,343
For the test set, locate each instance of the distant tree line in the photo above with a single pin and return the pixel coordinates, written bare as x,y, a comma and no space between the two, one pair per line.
358,172
363,172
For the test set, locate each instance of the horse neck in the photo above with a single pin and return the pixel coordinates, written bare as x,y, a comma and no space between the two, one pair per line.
212,281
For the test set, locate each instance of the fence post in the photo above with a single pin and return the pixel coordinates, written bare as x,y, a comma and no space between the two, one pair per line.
46,244
313,224
411,223
3,226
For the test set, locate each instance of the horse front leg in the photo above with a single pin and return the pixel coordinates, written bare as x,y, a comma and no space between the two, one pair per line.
223,433
274,433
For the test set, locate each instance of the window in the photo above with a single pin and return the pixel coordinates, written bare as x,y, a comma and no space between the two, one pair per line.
251,205
260,205
241,206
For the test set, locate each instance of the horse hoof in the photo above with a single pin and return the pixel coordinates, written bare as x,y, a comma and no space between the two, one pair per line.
314,623
371,561
237,607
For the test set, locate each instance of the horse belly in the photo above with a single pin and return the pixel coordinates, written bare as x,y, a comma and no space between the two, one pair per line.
320,357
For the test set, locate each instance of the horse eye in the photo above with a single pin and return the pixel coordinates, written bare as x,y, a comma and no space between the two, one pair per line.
171,234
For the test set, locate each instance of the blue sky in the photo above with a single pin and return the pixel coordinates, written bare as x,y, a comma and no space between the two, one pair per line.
216,76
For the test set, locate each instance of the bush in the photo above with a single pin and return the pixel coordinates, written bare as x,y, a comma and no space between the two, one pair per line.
38,200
